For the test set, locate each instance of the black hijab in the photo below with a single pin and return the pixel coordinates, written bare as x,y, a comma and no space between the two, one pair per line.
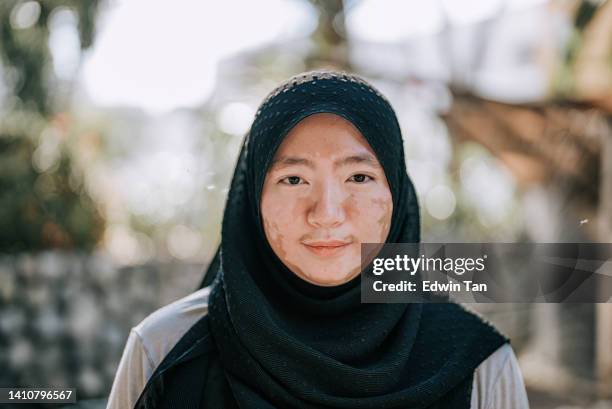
285,343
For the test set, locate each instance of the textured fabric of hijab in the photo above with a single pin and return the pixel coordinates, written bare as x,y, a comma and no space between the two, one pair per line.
285,343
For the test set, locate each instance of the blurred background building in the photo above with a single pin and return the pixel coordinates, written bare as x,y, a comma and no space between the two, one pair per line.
120,123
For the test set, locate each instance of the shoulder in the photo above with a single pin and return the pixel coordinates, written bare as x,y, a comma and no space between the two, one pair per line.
498,382
488,372
160,331
151,341
178,340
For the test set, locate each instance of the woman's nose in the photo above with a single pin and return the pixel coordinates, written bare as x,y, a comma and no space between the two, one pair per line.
327,208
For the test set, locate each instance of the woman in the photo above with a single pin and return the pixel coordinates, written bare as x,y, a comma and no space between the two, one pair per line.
278,322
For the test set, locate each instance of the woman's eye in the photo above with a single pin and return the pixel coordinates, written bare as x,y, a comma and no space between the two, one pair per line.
360,178
292,180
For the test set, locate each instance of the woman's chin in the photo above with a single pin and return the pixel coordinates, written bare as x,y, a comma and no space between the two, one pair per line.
328,280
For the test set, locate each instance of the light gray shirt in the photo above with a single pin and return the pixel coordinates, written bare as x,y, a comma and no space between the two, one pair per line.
498,383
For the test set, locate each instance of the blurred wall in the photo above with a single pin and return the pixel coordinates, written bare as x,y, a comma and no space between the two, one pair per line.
65,317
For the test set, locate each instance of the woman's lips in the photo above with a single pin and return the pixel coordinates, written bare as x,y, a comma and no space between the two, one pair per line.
327,248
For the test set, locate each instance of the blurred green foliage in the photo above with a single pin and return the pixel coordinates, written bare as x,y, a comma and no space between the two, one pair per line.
43,203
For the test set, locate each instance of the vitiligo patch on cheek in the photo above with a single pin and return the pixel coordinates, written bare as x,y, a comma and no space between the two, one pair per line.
278,242
385,207
274,235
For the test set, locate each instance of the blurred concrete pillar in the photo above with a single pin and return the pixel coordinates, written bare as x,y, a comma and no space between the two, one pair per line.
604,311
561,354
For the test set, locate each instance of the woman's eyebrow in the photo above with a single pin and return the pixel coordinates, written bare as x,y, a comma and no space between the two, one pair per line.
291,160
357,159
348,160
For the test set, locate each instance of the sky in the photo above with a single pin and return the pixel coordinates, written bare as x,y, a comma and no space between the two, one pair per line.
166,58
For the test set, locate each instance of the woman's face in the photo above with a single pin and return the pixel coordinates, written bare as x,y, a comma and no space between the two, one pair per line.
325,194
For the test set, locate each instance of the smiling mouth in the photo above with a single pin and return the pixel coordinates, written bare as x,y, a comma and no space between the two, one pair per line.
327,248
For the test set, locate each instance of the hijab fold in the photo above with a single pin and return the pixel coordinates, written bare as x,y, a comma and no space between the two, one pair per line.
285,343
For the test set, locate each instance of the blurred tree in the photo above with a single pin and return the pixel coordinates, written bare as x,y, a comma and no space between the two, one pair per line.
587,72
42,201
329,37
